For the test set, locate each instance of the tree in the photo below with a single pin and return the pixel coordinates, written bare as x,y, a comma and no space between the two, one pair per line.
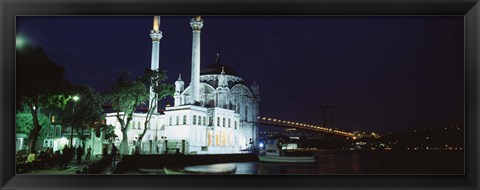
156,80
24,122
40,84
88,113
125,95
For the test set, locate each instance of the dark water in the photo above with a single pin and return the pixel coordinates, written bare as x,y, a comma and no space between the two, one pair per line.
366,162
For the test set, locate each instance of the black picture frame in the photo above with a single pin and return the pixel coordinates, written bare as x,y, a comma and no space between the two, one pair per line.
11,8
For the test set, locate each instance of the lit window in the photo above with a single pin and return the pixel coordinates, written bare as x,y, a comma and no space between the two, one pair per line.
50,132
58,131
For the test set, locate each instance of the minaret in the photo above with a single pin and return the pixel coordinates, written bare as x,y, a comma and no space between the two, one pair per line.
256,110
179,87
156,36
197,24
222,89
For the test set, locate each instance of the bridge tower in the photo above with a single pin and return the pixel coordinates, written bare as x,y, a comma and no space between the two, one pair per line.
328,116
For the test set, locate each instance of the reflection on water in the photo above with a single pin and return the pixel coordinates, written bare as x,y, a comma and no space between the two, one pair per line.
352,162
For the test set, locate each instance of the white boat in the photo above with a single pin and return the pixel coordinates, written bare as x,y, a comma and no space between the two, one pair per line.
273,149
226,168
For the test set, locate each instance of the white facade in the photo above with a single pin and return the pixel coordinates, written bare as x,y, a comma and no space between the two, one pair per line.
216,113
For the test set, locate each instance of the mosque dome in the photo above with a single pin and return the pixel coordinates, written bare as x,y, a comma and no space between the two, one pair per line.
216,69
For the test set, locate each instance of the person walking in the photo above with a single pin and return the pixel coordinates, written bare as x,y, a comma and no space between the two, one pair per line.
114,153
105,151
65,156
79,154
73,152
89,152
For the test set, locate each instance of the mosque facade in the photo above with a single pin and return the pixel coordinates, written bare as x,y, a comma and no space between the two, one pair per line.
216,113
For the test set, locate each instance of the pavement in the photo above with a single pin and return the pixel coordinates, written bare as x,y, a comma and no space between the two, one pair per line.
72,167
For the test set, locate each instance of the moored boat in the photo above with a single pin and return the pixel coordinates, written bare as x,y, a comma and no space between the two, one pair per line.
203,169
274,149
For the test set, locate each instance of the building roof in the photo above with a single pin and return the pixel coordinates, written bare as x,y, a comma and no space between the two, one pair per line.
216,68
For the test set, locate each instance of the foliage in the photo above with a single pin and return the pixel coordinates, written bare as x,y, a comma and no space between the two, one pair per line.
40,85
110,134
155,79
85,114
125,95
24,122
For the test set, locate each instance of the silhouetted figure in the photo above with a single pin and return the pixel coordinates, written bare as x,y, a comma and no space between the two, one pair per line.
105,151
114,153
57,158
73,151
65,156
137,151
79,154
89,152
279,146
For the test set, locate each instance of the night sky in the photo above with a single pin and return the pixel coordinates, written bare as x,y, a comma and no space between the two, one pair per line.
381,73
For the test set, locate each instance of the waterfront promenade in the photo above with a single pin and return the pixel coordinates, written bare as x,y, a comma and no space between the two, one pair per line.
71,168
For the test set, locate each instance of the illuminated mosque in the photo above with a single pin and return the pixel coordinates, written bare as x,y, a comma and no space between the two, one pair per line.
216,113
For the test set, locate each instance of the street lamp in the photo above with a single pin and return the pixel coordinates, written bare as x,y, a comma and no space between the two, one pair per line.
20,41
75,99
